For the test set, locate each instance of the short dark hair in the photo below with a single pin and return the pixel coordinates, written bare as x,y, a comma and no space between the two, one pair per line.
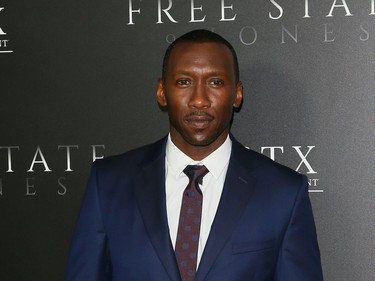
201,36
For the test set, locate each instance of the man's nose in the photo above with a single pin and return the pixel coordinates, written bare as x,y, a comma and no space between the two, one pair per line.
200,97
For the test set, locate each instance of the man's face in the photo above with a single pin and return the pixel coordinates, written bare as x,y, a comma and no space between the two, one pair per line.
199,93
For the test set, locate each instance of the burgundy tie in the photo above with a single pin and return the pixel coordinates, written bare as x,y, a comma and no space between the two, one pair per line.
190,221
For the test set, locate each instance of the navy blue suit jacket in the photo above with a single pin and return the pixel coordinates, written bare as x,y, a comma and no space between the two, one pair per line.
263,230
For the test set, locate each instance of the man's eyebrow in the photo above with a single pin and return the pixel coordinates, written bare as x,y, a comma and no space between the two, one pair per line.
213,73
218,73
183,72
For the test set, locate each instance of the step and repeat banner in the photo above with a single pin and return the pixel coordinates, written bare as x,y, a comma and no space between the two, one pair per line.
78,81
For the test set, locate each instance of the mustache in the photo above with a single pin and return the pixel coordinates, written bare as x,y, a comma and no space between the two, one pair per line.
199,113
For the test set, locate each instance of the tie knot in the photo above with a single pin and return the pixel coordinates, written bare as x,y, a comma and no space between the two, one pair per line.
195,173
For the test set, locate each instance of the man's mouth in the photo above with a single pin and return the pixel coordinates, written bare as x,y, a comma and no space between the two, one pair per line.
199,120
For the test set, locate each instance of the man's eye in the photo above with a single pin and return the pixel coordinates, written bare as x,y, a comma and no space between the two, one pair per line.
183,82
216,82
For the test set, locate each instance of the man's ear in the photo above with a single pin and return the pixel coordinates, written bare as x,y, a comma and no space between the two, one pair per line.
239,95
160,96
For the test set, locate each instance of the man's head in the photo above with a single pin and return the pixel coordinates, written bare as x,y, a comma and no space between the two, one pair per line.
199,89
201,36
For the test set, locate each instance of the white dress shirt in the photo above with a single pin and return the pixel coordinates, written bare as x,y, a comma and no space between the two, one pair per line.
212,187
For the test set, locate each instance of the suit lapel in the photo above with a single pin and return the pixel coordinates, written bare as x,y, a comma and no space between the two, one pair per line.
150,194
237,191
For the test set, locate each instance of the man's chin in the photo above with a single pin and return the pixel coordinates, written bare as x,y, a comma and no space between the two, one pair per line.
200,141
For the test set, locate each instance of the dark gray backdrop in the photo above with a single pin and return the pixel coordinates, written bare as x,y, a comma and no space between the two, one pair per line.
76,73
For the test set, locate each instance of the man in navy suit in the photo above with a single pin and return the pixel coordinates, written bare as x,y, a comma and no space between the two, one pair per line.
256,220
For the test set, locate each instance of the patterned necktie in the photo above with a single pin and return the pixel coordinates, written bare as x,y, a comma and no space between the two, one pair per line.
190,221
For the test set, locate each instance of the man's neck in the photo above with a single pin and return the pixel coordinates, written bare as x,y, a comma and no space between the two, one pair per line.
199,152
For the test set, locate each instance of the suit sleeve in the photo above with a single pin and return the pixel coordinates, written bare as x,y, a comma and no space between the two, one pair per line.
88,258
299,257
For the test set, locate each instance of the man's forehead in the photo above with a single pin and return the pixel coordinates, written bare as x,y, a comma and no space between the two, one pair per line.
199,47
186,52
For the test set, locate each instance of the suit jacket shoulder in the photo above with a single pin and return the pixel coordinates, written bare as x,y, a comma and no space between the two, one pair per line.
262,166
132,160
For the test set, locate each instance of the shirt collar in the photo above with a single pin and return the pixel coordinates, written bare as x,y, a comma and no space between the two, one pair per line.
215,162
